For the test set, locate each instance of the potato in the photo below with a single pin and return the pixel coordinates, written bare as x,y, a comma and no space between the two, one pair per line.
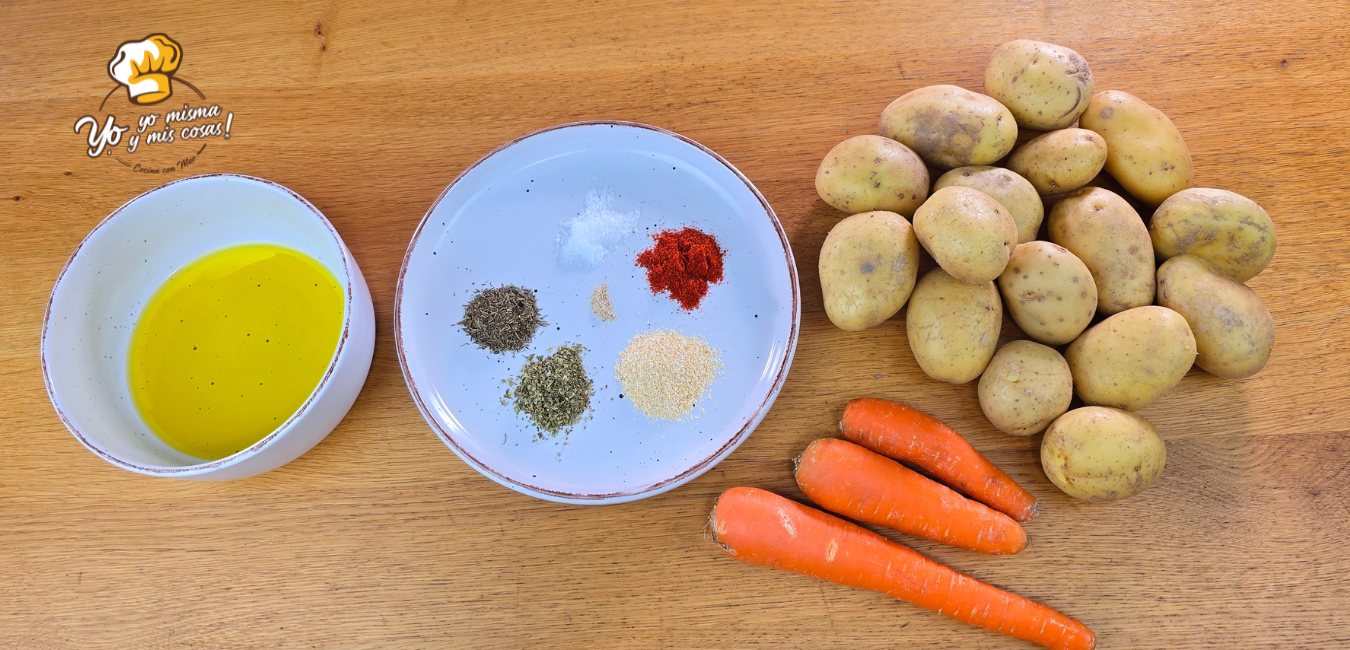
1026,386
1010,190
1107,234
1049,292
867,269
1223,228
1144,150
1102,454
953,326
969,233
1060,161
868,172
1233,330
949,126
1129,359
1045,86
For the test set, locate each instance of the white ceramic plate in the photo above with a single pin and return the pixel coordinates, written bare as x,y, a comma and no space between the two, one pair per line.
497,224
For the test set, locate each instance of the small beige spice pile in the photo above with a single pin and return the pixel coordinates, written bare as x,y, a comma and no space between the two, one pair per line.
600,304
666,374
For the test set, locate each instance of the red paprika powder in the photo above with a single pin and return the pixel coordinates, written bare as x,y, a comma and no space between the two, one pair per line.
683,263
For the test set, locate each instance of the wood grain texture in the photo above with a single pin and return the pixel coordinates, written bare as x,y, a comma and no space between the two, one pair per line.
380,537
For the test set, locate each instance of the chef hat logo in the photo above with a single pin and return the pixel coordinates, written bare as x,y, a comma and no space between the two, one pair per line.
145,67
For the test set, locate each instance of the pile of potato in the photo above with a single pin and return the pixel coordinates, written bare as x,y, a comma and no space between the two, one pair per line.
980,223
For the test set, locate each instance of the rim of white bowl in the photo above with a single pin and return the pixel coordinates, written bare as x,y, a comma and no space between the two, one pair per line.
255,448
698,468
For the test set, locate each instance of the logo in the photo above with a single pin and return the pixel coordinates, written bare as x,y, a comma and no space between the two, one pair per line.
146,68
159,142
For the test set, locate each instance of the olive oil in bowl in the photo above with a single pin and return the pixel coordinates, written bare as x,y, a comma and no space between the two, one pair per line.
233,344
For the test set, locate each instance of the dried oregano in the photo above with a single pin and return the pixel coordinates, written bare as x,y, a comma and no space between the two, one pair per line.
554,390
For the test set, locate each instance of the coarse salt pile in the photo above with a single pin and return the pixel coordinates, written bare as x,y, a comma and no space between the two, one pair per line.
665,373
584,241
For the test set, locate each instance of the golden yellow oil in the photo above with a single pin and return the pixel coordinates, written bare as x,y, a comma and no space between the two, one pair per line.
231,345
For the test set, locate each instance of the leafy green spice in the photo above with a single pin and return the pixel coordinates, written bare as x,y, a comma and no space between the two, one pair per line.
502,319
554,390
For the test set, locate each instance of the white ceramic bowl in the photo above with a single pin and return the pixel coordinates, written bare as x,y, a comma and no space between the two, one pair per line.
497,224
107,281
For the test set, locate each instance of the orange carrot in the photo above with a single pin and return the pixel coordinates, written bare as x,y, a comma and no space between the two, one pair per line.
846,479
763,528
898,431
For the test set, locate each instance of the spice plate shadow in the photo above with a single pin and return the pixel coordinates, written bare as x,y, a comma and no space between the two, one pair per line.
498,224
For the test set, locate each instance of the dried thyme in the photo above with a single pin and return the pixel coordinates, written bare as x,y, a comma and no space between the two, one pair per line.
502,319
554,390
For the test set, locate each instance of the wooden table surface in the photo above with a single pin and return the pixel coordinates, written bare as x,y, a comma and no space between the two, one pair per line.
381,537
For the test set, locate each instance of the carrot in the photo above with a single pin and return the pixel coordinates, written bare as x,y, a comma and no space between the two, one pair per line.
846,479
898,431
763,528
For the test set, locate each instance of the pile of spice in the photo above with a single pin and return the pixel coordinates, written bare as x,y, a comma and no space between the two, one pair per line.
600,304
665,373
502,319
584,241
553,390
683,263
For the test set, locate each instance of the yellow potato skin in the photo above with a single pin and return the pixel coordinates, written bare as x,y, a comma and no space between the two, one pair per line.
1224,228
1234,332
1144,150
1025,387
1129,359
868,266
949,126
969,233
1045,86
953,326
1060,161
1011,191
1049,292
867,173
1103,231
1102,454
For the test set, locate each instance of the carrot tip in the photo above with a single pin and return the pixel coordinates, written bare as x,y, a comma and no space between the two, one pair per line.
712,526
712,534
